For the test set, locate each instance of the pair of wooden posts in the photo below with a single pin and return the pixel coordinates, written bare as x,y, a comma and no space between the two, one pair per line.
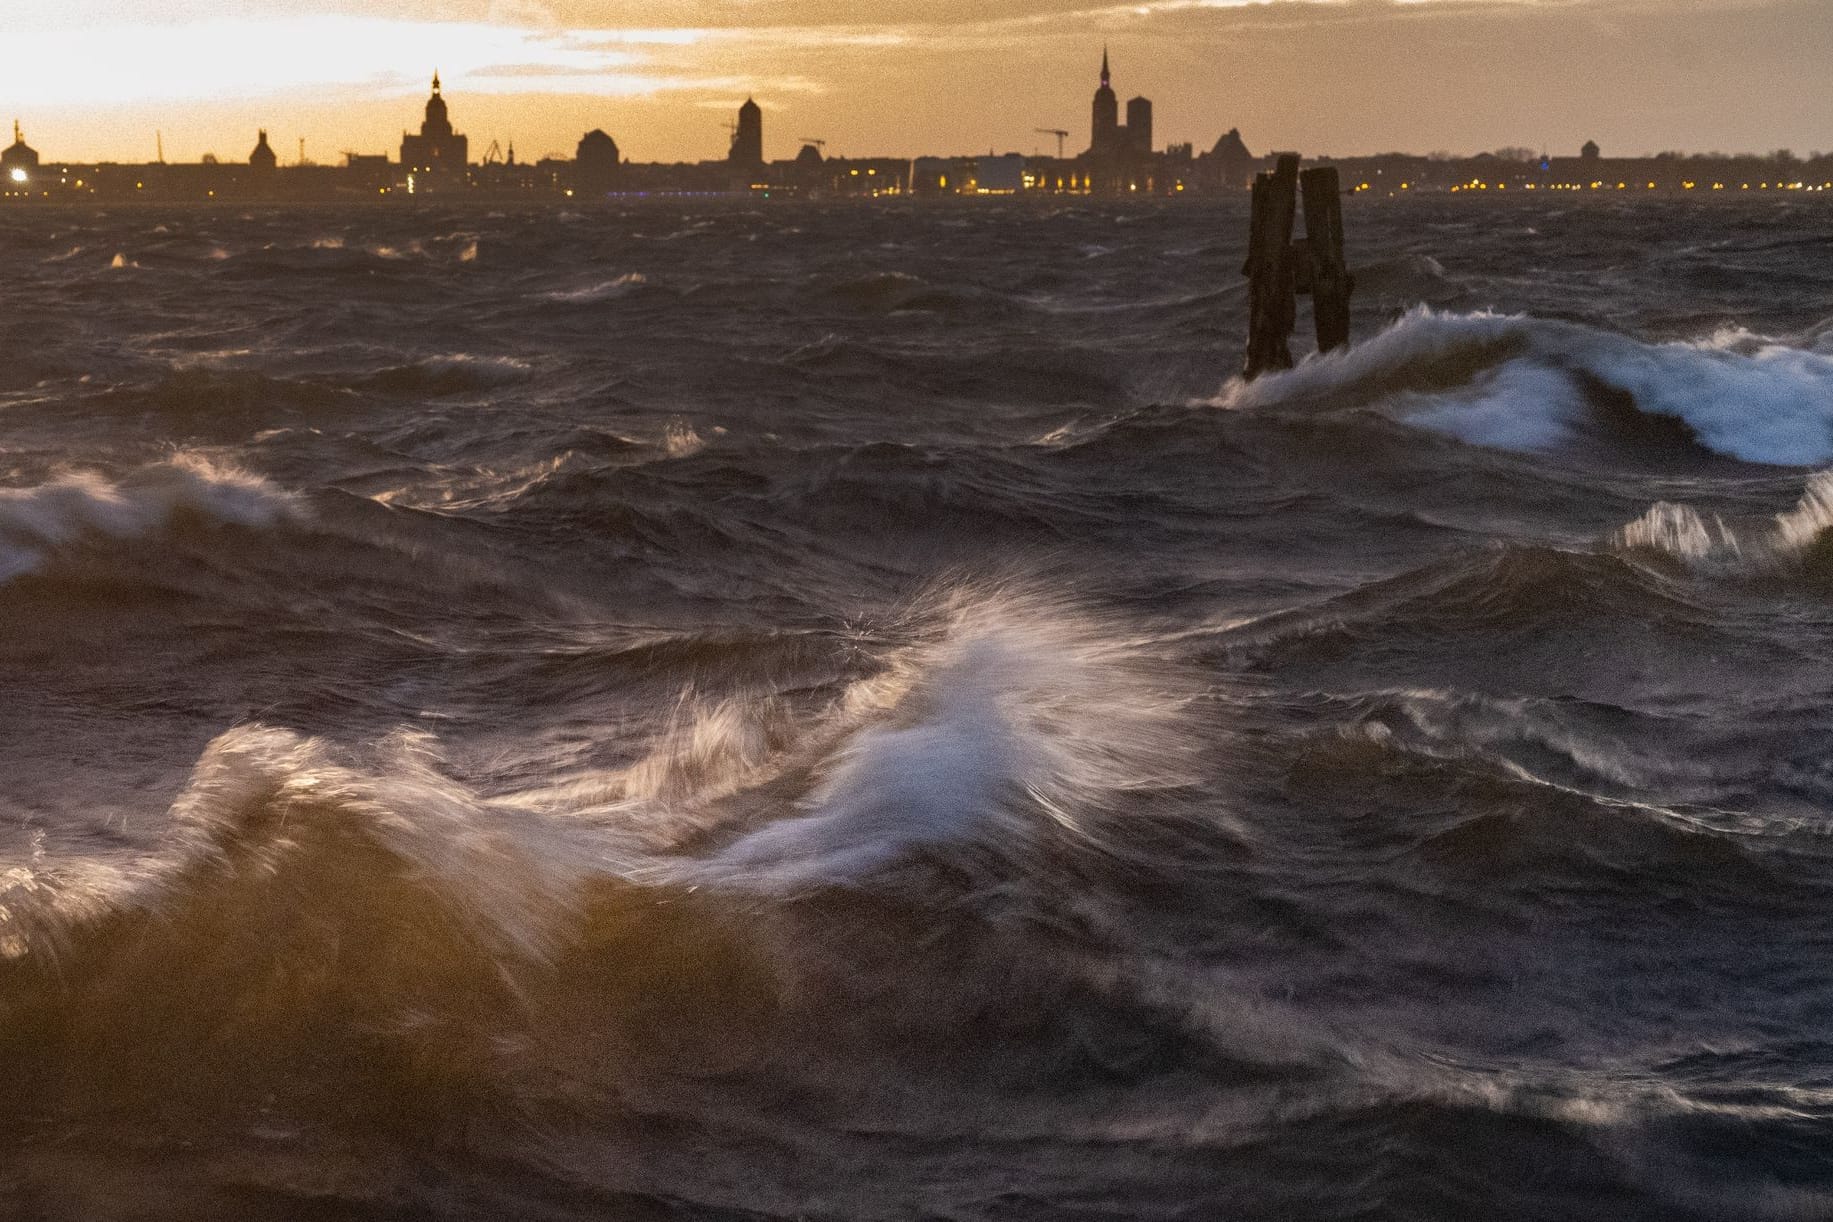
1278,269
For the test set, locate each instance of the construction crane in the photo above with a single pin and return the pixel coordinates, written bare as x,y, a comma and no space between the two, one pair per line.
494,154
1059,133
820,145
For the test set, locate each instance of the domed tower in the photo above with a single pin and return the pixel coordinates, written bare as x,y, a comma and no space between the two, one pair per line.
596,163
438,153
18,162
1107,115
437,125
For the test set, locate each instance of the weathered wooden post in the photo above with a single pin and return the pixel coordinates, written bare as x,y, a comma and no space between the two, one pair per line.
1272,302
1278,268
1331,283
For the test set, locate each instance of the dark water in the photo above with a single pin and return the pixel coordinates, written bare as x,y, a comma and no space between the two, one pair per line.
845,713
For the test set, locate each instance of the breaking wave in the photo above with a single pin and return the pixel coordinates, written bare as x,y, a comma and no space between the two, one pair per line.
604,290
1020,725
37,521
1011,724
360,933
1787,541
451,374
1336,820
1519,383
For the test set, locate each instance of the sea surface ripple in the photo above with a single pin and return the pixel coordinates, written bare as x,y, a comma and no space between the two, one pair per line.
692,710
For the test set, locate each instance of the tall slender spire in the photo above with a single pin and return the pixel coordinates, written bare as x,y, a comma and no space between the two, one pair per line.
435,80
1104,74
18,136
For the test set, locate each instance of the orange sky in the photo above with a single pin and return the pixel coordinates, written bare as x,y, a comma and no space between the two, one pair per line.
93,79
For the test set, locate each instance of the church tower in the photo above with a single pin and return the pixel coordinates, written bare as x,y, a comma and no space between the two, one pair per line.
264,160
438,126
437,152
748,137
19,161
1106,127
1139,125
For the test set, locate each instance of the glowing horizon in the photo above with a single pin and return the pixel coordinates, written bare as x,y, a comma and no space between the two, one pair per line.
94,79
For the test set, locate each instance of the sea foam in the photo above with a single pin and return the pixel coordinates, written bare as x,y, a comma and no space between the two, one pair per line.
1520,383
35,521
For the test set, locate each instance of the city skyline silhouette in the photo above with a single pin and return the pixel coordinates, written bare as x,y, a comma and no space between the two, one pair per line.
99,78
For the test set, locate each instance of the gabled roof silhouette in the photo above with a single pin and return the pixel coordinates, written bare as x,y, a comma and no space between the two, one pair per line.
1232,146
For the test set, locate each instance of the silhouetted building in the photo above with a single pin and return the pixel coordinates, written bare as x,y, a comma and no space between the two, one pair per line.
1106,137
368,173
19,161
437,152
867,177
263,160
1591,151
1119,159
595,165
999,175
1229,166
1139,125
748,137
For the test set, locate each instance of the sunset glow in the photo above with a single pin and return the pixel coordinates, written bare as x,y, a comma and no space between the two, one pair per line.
99,78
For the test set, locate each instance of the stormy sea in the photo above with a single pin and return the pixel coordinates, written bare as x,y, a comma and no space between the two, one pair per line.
693,710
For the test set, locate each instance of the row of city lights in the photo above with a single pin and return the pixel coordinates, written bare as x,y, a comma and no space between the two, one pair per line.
1600,185
1623,186
20,176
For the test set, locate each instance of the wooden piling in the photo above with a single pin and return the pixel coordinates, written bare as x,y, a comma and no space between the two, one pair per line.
1272,304
1331,283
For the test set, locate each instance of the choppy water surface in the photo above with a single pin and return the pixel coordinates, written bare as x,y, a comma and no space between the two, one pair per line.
842,713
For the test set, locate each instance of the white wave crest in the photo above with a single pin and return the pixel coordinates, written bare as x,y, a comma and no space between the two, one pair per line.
1683,533
1021,724
1520,383
1679,531
491,370
604,290
512,884
36,521
1015,732
680,440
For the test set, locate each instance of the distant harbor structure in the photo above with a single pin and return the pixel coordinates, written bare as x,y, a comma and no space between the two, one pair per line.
1120,160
